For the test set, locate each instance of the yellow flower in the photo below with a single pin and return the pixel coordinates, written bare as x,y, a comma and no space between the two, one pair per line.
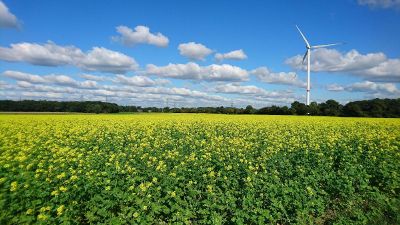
29,212
108,188
60,210
14,186
211,174
310,190
44,209
55,193
60,176
248,179
63,189
173,194
136,215
2,180
42,217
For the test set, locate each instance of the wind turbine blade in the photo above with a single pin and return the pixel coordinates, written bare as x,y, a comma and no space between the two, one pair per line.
304,57
305,39
322,46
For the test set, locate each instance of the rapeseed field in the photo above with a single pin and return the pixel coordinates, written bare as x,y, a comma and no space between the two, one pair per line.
198,169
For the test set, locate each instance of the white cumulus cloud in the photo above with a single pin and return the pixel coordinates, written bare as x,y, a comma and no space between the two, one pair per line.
371,66
141,81
194,51
368,87
193,71
335,87
141,35
234,55
136,89
50,54
7,19
249,90
57,79
267,76
255,93
102,59
92,77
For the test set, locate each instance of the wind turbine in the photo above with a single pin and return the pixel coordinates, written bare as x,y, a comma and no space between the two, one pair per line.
308,55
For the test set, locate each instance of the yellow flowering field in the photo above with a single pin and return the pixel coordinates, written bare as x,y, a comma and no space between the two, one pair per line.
198,169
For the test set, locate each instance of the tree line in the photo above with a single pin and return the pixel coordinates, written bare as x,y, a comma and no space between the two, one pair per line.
366,108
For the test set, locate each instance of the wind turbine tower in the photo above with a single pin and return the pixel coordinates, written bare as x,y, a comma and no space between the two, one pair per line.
308,55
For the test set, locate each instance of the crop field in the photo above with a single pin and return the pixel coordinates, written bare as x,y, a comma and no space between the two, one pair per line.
198,169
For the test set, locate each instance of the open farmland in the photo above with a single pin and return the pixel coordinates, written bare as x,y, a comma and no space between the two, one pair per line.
198,169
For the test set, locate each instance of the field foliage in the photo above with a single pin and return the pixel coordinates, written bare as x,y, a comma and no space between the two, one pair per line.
198,169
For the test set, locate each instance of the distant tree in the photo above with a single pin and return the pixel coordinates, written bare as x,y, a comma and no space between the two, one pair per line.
299,108
392,108
371,108
285,110
330,108
249,110
376,108
93,108
166,109
352,109
313,109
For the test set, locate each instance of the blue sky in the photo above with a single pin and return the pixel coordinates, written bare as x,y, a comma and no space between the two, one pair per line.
198,53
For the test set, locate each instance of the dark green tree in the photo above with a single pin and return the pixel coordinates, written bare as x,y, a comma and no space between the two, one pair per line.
299,108
249,110
313,109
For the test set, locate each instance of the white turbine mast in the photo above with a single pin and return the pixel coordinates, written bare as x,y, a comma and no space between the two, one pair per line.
308,55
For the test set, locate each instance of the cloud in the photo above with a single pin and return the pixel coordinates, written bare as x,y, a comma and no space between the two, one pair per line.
102,59
367,86
92,77
194,51
385,71
255,93
335,87
5,86
24,76
45,88
50,54
248,90
147,95
7,19
88,84
193,71
49,79
371,66
381,3
41,95
267,76
141,35
124,92
140,81
234,55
